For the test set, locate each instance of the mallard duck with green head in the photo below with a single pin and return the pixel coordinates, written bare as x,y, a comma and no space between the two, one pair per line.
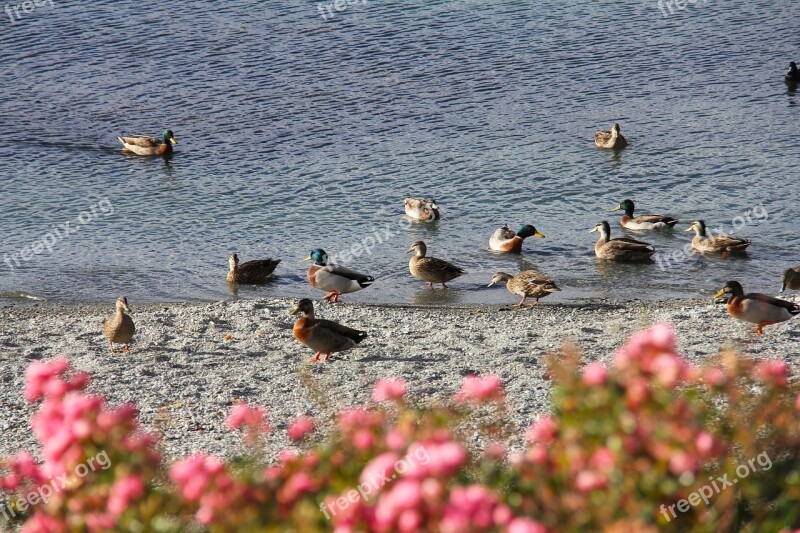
610,138
643,222
756,308
252,272
119,327
724,244
505,240
323,336
790,279
144,145
621,248
527,284
431,269
422,209
335,279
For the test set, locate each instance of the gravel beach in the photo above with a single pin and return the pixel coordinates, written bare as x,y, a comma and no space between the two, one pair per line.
190,362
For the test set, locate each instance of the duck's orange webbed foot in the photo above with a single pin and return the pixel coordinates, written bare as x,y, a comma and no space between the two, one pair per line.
316,357
125,348
328,356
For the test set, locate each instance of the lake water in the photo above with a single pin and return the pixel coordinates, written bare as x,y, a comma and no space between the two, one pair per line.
297,132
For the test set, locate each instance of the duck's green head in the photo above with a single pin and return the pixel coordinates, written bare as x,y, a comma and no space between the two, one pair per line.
528,231
168,137
734,288
627,206
319,257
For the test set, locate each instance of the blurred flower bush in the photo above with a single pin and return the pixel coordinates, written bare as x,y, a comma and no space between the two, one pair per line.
648,443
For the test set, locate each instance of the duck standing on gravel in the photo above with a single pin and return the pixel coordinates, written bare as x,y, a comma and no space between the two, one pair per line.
528,284
431,269
119,328
144,145
610,138
505,240
643,222
323,336
335,279
621,248
759,309
255,272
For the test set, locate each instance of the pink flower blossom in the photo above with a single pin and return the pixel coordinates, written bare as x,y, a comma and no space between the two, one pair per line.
543,430
389,389
774,372
300,428
525,525
681,462
242,415
595,375
480,389
123,492
589,480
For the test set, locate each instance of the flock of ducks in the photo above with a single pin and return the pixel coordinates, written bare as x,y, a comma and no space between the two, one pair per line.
327,337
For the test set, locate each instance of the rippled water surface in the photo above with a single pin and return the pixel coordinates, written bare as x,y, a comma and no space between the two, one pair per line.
296,132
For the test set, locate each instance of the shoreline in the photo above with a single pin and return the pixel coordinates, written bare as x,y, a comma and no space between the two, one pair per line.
184,375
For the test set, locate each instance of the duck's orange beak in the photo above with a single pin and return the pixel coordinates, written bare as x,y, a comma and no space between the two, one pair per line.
720,293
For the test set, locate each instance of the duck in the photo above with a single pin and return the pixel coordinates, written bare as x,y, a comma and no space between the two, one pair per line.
323,336
793,75
702,243
643,222
756,308
620,249
143,145
119,327
505,240
422,209
255,272
528,284
610,139
335,279
791,279
431,269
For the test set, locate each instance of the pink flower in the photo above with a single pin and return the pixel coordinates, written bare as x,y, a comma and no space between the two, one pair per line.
589,480
602,459
662,336
704,443
379,469
480,389
40,374
300,428
774,372
389,389
668,369
242,415
525,525
714,376
363,440
594,375
123,492
681,462
543,430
